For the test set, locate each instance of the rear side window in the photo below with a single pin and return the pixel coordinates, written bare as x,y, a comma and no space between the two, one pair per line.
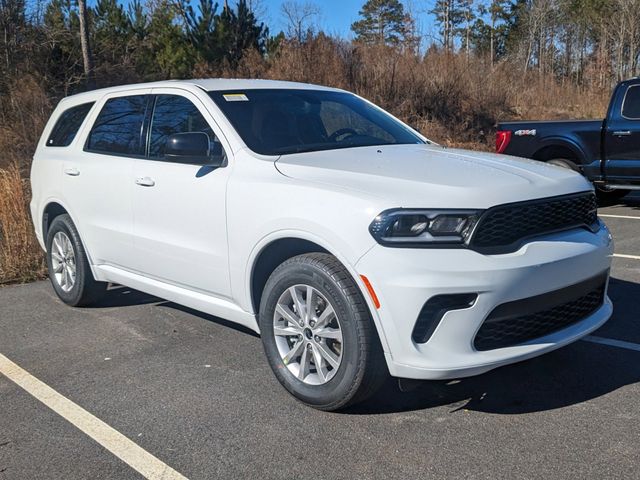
118,128
174,114
631,107
67,126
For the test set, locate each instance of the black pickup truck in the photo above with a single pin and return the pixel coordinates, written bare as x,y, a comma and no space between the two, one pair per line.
607,151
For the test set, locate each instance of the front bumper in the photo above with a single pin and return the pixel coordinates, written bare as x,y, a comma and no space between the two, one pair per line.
404,279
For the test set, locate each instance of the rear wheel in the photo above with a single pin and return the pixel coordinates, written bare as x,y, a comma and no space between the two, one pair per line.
318,334
604,194
610,195
68,265
564,163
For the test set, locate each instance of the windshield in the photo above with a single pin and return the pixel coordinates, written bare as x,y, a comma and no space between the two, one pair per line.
280,121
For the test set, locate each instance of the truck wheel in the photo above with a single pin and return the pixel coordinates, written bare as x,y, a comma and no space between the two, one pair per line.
608,195
68,265
604,194
564,163
318,334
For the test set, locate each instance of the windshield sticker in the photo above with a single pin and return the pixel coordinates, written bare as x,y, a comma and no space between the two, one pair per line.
235,97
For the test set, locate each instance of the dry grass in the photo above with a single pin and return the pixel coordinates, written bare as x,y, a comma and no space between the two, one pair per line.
21,258
452,99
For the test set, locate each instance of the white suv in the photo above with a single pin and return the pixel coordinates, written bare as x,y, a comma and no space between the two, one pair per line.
354,245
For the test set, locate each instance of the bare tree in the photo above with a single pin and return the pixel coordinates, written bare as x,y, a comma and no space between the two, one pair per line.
87,57
301,18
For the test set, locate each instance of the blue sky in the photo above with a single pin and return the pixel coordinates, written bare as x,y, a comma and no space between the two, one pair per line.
338,15
336,18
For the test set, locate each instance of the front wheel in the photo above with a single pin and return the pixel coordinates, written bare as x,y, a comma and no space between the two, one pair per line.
318,334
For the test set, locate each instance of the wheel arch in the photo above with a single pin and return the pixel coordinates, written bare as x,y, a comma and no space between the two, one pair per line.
556,148
52,210
270,256
274,251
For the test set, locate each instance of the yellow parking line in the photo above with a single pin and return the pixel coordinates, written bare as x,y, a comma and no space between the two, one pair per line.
115,442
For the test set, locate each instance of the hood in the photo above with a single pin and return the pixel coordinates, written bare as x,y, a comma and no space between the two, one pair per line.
430,176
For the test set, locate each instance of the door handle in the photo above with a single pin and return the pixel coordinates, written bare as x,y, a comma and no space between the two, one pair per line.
72,172
145,182
622,133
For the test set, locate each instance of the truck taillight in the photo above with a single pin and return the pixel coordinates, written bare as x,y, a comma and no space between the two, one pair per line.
503,137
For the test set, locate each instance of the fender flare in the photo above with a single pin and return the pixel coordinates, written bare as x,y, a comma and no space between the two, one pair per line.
303,235
563,142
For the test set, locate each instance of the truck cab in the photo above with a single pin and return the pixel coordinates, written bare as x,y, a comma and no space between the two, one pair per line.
607,151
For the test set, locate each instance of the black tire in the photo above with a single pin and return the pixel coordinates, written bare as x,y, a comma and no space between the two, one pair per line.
564,163
604,195
362,369
85,290
608,196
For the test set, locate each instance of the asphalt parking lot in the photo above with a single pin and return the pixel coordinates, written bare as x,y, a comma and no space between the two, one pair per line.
195,394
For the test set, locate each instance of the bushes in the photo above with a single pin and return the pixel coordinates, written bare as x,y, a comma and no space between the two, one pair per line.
453,99
21,258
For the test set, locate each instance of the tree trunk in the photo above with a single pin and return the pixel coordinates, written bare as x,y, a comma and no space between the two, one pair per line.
87,58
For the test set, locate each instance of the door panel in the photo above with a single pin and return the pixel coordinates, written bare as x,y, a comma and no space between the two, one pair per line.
180,233
622,138
97,186
98,192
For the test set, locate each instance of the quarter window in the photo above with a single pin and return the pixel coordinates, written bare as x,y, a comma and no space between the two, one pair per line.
631,107
68,124
174,114
118,128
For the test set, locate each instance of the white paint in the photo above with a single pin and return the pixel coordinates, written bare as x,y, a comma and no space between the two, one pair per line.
112,440
193,237
623,255
613,343
618,216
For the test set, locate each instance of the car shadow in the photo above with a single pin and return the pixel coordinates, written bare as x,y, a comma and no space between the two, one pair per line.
208,318
571,375
568,376
120,296
632,200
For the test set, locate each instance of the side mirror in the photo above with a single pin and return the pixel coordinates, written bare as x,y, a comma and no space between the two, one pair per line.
194,148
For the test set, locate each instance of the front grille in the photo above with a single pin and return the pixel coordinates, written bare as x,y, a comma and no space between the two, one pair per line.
508,225
523,320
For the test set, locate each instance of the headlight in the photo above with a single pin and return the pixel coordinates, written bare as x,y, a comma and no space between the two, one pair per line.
423,228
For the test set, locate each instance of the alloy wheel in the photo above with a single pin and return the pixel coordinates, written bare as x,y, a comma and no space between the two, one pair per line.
308,334
63,261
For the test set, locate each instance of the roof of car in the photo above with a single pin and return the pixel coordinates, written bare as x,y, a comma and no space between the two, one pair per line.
207,84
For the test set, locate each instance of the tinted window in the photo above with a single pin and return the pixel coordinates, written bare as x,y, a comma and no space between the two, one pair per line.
174,114
281,121
631,107
68,124
118,128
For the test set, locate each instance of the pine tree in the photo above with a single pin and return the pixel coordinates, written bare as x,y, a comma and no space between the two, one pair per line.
224,36
383,22
112,33
449,15
492,37
237,31
166,51
465,29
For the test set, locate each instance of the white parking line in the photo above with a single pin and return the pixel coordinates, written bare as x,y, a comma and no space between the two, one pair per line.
624,255
119,445
612,343
617,216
